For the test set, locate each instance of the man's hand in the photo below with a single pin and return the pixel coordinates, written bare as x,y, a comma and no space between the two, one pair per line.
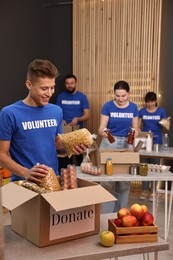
64,122
36,173
79,149
74,121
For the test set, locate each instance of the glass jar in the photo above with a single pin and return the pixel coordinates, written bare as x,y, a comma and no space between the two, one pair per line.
131,136
143,169
110,136
109,167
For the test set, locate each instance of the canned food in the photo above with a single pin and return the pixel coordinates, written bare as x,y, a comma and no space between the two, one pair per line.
156,148
143,169
134,169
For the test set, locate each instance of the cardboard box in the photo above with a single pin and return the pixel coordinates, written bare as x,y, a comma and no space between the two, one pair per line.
138,234
68,128
142,137
55,217
121,160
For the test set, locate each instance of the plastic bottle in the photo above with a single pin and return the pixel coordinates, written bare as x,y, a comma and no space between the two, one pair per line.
149,143
109,167
165,142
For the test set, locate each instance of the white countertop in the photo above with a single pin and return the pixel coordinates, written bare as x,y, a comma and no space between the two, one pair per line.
152,176
160,154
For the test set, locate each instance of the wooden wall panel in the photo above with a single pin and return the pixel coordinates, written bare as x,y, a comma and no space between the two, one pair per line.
115,40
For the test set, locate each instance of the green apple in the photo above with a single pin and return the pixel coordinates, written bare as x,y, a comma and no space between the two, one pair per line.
107,238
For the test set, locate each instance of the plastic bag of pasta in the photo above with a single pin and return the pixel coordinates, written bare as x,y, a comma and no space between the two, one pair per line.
50,182
77,137
31,186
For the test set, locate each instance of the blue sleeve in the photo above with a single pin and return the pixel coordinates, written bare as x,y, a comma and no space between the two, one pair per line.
163,114
104,110
6,126
136,112
85,103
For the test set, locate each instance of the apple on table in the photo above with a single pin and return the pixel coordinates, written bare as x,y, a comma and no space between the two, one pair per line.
107,238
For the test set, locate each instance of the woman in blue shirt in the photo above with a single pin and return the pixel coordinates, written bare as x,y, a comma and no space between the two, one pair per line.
149,118
119,116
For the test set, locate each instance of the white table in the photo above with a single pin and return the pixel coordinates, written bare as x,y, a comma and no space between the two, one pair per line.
154,177
87,248
160,154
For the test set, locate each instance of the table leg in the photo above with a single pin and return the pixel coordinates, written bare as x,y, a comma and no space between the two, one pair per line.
166,209
154,199
156,256
170,207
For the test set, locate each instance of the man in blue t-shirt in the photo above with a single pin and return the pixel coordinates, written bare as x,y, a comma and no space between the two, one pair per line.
29,128
74,104
75,107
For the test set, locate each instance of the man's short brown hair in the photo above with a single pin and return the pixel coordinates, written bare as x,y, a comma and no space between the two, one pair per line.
41,69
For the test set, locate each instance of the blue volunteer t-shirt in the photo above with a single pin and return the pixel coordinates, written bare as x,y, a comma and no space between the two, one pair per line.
32,132
72,105
120,119
150,122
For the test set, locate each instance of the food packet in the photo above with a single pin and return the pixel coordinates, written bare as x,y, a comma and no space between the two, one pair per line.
31,186
165,123
77,137
50,182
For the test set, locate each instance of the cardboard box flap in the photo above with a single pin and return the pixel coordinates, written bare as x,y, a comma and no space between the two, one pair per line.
119,156
19,195
78,198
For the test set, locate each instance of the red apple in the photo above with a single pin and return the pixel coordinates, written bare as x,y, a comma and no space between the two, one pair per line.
145,208
138,223
118,222
129,221
147,219
137,210
123,212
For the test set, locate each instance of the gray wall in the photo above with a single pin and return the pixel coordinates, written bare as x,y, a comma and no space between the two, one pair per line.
166,62
32,29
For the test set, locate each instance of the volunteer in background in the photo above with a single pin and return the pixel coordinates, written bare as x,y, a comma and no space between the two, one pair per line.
75,107
149,118
29,127
118,115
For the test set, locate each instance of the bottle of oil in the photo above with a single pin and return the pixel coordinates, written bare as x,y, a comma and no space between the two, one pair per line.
109,167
